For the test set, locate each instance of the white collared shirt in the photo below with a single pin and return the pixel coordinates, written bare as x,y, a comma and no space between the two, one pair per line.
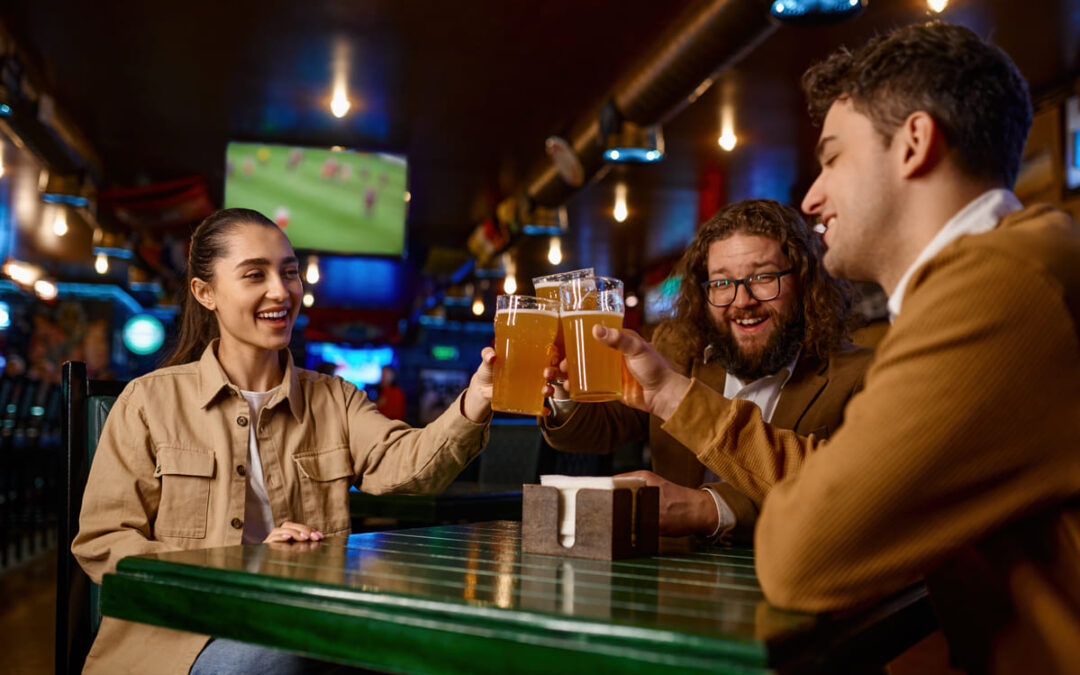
981,214
258,518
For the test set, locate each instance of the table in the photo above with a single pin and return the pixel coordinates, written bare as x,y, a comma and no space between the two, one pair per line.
462,599
468,502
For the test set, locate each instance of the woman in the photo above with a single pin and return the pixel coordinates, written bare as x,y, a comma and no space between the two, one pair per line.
231,443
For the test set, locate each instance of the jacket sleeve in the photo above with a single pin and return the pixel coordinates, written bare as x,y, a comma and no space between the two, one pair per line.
391,456
953,438
597,428
122,494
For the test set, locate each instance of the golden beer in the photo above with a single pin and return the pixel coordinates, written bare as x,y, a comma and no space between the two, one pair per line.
548,287
595,370
525,330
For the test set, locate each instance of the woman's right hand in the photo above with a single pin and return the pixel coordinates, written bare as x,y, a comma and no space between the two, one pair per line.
289,531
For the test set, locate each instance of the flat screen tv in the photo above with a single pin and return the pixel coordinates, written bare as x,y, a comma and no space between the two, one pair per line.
360,365
333,201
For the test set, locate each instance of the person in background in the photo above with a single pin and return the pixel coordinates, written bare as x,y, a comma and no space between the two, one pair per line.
391,399
957,463
757,318
231,443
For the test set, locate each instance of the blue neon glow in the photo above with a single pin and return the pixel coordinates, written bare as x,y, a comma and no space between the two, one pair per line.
639,155
815,10
352,281
1076,149
143,334
70,200
5,110
541,230
118,253
5,315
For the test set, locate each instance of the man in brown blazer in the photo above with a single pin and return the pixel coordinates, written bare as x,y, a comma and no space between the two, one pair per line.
959,462
757,317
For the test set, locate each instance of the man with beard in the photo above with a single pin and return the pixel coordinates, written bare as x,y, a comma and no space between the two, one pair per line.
757,318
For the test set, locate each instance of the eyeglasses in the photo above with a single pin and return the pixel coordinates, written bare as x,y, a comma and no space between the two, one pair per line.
761,287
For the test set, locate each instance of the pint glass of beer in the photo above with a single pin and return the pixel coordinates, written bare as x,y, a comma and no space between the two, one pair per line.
524,335
595,370
548,287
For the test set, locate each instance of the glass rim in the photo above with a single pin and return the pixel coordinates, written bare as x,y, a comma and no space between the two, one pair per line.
617,281
542,304
554,279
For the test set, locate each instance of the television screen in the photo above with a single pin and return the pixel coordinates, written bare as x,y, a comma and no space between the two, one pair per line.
360,365
337,201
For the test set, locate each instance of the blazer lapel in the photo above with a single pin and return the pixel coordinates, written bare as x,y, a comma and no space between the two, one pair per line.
799,393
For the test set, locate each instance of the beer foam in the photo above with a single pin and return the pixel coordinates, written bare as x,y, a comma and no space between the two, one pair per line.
539,312
589,312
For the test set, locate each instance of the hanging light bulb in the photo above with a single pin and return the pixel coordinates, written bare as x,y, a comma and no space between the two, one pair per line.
937,6
1,160
478,305
311,275
60,225
620,211
555,251
727,139
339,102
101,263
308,300
509,284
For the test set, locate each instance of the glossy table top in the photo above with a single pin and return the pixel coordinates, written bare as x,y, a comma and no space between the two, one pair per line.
465,599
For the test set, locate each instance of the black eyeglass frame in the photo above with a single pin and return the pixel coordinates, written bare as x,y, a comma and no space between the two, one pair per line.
745,283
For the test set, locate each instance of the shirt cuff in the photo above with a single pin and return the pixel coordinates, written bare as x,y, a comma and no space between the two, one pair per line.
724,515
560,409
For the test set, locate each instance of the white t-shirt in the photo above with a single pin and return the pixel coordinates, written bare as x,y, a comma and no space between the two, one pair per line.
258,518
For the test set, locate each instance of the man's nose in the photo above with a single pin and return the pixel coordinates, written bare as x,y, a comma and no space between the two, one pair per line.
743,297
814,200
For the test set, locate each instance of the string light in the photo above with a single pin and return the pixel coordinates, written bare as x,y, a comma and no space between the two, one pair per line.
101,263
620,211
312,273
555,251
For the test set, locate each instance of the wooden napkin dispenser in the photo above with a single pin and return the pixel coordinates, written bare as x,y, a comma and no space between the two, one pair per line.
608,524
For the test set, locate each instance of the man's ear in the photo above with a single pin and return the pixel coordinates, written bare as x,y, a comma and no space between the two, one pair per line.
919,144
204,293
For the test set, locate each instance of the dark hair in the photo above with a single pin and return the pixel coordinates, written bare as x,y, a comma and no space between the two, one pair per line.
198,326
827,302
972,89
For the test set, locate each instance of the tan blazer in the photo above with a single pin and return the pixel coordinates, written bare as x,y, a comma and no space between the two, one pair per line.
958,463
811,402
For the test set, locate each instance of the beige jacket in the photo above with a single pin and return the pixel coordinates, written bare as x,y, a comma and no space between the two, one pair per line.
958,463
170,473
811,402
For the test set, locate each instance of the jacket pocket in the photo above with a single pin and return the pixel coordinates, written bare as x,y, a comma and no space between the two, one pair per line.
185,477
325,477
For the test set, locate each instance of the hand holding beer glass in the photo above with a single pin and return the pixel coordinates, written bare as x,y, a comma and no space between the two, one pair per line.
525,329
594,369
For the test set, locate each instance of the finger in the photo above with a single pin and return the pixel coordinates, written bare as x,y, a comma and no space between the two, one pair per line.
627,342
487,356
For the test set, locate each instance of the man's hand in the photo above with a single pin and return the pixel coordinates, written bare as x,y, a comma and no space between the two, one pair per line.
649,382
477,403
683,510
289,531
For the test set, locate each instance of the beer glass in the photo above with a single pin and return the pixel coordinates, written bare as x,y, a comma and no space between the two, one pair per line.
525,329
595,370
548,287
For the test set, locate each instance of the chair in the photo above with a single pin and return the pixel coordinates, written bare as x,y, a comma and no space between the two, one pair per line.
86,404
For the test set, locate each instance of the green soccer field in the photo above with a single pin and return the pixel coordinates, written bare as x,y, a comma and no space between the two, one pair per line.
341,202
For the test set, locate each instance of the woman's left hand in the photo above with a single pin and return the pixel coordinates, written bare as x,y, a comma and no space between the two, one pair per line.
477,404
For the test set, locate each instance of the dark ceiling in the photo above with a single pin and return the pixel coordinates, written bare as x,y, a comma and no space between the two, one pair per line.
468,91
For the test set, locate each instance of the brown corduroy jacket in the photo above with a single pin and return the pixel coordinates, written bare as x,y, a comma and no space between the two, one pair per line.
811,402
169,474
958,463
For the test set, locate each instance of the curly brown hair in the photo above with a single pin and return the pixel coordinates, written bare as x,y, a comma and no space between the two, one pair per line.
827,302
972,89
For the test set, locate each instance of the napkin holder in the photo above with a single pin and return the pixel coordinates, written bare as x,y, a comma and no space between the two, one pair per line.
603,522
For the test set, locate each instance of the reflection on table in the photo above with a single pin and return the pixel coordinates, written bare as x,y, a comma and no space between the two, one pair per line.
464,599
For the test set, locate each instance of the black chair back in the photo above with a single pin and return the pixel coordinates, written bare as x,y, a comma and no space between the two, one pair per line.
86,404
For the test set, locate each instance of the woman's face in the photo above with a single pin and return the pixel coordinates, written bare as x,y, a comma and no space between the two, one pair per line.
256,289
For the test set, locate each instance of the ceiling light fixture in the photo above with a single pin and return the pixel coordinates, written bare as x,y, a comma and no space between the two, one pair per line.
620,211
625,141
101,263
339,101
312,273
60,225
937,6
555,251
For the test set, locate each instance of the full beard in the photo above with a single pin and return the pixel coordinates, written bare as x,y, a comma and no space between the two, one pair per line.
778,351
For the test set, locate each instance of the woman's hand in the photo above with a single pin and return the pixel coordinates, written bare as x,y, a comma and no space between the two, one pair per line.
477,403
289,531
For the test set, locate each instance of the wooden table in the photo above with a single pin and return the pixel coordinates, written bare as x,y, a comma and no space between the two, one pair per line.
468,502
464,599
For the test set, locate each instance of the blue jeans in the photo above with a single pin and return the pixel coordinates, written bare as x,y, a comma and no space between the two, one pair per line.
227,657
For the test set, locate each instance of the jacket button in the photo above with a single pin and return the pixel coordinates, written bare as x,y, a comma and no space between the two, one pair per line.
237,523
242,421
241,470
